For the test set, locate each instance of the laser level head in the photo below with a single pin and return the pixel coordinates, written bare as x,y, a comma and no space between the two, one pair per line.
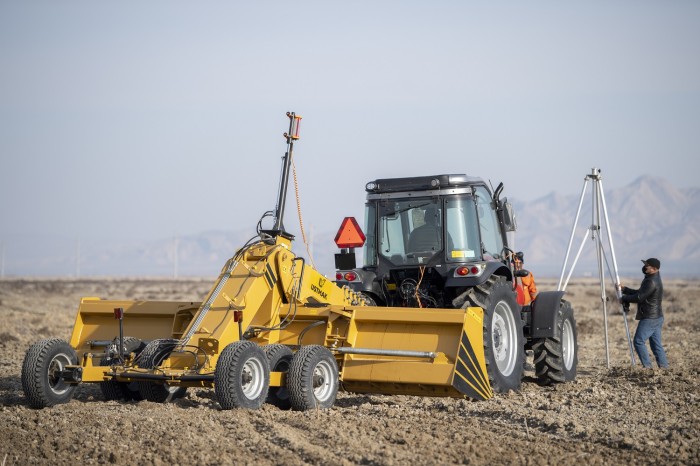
294,121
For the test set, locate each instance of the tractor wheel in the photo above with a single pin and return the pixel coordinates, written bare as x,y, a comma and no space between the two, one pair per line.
312,379
504,348
151,357
242,376
279,357
123,391
41,373
556,358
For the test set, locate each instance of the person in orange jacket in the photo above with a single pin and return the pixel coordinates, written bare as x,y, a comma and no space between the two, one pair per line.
526,284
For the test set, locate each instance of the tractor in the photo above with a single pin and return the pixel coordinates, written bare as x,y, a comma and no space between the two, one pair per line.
442,242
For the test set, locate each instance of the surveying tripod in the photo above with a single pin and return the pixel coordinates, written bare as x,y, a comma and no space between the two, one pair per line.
598,207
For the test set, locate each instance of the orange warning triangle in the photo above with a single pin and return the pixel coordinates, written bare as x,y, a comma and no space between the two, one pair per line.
350,234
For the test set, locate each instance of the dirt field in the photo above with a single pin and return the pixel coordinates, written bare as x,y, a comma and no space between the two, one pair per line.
621,415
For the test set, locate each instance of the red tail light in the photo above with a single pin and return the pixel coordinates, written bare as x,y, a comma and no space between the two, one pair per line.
338,276
350,276
468,270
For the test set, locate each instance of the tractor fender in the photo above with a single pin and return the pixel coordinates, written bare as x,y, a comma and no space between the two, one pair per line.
545,309
492,268
367,282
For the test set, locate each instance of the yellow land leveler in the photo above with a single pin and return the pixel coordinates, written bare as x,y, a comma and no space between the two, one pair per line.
273,329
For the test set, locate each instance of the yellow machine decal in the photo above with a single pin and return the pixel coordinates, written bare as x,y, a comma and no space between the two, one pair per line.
318,289
270,277
469,377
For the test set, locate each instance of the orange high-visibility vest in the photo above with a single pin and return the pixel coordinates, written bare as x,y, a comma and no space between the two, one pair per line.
529,288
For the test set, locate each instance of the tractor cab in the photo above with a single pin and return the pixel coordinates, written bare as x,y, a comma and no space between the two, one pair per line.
428,239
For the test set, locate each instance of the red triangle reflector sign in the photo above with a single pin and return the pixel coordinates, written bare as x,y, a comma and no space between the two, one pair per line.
350,234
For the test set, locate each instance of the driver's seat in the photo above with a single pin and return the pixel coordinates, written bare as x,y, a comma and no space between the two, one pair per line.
426,237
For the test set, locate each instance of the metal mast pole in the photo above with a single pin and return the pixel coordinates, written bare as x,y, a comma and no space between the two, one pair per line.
618,290
595,229
291,136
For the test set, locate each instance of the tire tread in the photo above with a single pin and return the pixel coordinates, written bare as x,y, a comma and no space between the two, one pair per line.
34,381
299,385
548,352
226,383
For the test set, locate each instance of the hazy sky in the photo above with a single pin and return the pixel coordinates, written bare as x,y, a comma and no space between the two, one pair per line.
147,119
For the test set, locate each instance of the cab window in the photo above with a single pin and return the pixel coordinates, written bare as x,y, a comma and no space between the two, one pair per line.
491,240
409,232
462,230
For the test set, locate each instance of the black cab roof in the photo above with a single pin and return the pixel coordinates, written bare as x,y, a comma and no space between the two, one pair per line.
421,183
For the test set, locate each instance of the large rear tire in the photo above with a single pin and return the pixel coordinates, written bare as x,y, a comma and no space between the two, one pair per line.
151,357
556,359
41,373
312,379
242,376
122,391
503,332
279,357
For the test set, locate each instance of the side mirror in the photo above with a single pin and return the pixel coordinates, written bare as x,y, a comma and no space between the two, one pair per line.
508,216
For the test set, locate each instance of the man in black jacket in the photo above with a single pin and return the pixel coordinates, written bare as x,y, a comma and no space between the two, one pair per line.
649,313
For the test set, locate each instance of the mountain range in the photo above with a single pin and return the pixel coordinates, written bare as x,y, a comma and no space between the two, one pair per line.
648,218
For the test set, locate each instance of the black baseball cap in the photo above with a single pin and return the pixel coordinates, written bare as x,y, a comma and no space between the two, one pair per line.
654,262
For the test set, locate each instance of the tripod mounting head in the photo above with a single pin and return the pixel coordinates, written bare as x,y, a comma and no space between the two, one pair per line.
595,174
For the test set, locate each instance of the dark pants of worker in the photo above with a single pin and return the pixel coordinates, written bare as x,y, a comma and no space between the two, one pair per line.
650,329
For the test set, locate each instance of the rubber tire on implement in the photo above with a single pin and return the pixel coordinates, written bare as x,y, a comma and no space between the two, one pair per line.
556,358
279,357
504,349
122,391
40,373
151,357
369,300
242,376
312,379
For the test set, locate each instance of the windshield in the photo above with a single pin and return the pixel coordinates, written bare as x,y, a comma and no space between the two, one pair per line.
410,231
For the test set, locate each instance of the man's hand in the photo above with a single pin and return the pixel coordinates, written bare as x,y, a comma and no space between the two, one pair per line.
624,300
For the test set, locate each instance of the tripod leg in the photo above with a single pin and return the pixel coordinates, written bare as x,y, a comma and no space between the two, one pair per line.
629,339
573,264
571,238
618,292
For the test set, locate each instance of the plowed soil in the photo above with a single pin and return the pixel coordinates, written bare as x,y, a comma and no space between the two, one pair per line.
609,415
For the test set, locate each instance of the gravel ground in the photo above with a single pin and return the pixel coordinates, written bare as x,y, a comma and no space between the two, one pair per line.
615,415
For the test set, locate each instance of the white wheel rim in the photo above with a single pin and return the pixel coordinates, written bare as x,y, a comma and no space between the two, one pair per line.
323,381
252,378
53,373
567,344
504,338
